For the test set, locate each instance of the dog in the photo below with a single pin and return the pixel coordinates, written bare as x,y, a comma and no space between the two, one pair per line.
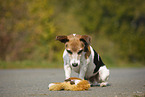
83,59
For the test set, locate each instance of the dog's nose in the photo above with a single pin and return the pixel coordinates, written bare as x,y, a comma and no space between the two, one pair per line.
74,64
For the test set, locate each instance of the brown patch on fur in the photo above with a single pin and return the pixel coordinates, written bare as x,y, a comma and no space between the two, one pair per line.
75,78
74,43
57,83
88,53
72,78
69,86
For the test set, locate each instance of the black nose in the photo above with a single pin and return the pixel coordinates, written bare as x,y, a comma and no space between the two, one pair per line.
74,64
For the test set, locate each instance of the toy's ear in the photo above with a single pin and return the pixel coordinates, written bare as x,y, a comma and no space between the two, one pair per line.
67,80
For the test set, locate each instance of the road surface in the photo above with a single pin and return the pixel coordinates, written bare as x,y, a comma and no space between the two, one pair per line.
34,82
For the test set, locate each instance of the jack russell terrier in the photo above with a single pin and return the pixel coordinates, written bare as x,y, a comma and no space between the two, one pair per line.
83,59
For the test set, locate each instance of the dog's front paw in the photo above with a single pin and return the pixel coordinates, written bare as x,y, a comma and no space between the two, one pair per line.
103,84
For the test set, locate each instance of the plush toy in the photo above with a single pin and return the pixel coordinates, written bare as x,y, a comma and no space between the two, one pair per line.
71,84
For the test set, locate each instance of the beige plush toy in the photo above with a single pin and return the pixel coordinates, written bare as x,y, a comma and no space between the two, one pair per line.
71,84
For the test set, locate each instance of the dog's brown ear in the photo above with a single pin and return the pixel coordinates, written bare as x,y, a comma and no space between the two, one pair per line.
87,41
62,39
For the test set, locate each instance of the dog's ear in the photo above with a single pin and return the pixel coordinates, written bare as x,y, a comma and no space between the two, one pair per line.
87,41
62,39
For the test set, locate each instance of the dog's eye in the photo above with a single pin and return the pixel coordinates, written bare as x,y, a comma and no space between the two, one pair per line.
72,82
69,51
80,51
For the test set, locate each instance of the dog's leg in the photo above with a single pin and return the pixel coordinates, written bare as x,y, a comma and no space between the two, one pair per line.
84,68
103,76
83,71
67,70
93,81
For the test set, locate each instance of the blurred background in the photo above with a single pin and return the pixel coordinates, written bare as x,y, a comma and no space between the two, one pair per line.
28,29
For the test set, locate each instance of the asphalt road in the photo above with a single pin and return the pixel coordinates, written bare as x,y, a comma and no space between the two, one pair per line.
34,82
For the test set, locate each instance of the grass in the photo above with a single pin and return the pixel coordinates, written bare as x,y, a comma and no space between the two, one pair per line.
126,65
28,64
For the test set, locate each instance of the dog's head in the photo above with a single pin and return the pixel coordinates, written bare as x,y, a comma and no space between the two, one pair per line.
75,45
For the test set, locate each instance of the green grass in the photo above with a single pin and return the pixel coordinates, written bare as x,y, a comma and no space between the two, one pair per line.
126,65
27,64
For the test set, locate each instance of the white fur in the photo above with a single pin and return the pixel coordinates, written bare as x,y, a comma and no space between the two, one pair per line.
51,85
103,73
85,68
77,81
67,70
75,58
74,34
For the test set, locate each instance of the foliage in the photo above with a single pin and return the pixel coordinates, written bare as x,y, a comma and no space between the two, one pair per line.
28,28
122,21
